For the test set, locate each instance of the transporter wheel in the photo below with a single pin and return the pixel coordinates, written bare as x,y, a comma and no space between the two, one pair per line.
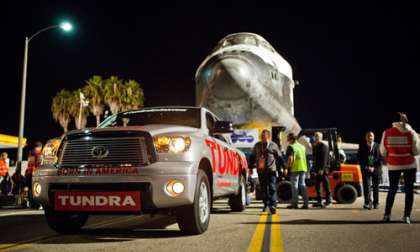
237,202
65,223
346,194
284,191
194,219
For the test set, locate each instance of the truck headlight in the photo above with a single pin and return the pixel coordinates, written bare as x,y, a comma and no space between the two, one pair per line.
49,152
174,188
172,144
37,189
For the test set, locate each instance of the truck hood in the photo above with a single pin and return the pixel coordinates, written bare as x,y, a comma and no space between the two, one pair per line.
153,129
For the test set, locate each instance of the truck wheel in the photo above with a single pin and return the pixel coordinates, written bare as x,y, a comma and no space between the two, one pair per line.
284,191
346,194
194,219
237,202
65,223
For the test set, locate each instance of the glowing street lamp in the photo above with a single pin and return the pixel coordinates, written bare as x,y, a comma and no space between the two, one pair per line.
65,26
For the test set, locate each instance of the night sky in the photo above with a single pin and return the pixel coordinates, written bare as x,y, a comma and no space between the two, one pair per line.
357,65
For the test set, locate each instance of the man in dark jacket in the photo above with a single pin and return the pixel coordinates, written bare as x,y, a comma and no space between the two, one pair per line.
267,153
370,159
321,170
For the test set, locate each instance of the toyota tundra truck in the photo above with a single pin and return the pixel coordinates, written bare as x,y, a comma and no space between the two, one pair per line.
172,160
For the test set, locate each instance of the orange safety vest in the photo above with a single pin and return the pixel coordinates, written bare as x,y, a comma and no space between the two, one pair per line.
3,168
399,147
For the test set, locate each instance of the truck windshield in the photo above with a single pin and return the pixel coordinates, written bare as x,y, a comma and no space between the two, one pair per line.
189,117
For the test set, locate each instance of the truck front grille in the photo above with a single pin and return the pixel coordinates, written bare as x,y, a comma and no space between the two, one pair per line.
104,152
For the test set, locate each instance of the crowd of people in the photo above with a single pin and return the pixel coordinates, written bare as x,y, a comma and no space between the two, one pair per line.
398,147
16,184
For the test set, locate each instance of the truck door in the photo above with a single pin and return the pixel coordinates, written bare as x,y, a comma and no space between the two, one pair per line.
223,181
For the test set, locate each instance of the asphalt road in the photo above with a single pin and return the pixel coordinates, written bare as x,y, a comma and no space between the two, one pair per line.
341,228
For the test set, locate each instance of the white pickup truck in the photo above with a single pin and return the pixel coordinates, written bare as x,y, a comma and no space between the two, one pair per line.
172,160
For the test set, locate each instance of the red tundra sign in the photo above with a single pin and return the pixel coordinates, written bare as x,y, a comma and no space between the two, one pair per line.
97,201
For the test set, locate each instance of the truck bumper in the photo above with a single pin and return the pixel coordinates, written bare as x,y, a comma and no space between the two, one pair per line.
151,181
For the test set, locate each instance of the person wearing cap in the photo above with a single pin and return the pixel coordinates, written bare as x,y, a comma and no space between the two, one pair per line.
296,162
399,144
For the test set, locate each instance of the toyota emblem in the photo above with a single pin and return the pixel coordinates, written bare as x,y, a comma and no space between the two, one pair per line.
100,152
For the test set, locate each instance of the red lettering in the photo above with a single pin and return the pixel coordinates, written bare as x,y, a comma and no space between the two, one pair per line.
222,165
239,164
224,183
232,165
68,172
235,163
212,146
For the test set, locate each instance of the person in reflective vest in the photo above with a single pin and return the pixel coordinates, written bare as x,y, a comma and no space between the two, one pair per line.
4,169
399,145
296,160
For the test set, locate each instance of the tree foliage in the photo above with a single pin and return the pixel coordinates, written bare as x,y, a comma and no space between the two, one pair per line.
114,93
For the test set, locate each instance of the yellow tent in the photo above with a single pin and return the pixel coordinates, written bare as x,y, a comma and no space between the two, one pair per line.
8,142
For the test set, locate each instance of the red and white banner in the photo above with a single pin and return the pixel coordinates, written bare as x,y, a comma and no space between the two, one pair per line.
97,201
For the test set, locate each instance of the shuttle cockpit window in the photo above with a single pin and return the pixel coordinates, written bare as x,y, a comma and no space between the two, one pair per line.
239,39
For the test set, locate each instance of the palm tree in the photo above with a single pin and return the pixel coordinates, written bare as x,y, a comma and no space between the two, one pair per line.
113,91
75,110
133,96
60,108
94,92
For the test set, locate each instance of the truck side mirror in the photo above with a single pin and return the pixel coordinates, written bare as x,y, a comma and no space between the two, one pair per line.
222,127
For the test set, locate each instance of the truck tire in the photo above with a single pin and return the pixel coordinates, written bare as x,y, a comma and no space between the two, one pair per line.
65,223
194,219
237,202
346,194
284,191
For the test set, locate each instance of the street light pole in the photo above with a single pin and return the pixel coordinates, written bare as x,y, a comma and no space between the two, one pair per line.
66,27
22,109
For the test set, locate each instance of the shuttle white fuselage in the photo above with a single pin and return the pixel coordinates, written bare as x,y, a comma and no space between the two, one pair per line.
245,80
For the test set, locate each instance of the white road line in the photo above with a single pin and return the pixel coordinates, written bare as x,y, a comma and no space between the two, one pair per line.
27,212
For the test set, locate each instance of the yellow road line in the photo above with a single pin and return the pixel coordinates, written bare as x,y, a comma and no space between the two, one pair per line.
23,244
20,246
28,243
276,239
257,239
7,245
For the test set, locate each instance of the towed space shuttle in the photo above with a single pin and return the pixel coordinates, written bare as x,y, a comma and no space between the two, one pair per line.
244,80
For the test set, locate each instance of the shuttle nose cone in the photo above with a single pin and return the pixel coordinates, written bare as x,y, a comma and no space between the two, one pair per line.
227,76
